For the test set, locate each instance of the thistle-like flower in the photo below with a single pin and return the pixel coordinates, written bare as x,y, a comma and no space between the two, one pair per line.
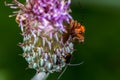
47,38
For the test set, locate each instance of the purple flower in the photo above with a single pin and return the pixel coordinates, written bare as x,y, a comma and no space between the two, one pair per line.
43,25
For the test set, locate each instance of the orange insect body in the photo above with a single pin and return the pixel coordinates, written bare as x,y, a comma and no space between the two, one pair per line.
67,58
74,30
77,31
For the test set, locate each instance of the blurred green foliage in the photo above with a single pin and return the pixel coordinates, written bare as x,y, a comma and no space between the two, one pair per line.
100,52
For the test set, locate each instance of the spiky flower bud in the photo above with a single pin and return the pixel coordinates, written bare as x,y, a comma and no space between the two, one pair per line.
43,24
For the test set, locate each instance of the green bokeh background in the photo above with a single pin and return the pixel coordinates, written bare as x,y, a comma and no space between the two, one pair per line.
100,52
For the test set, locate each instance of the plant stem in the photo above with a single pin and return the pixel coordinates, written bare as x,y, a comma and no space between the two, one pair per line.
40,76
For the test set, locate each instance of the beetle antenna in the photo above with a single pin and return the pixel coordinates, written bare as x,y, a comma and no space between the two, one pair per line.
76,64
62,73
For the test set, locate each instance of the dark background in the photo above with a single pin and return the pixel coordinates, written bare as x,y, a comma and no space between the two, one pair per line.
100,51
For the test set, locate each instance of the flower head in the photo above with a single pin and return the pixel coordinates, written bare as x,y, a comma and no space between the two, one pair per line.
44,25
41,23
